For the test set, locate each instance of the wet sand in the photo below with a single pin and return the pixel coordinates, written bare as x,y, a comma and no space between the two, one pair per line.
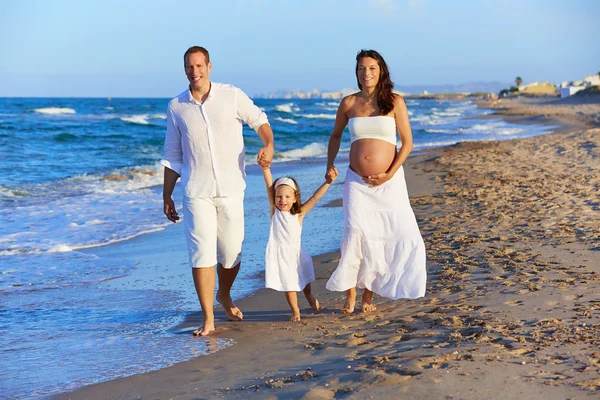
512,308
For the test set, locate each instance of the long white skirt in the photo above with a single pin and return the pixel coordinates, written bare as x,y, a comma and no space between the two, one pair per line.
382,248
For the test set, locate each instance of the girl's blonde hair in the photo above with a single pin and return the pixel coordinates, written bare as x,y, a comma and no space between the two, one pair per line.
296,206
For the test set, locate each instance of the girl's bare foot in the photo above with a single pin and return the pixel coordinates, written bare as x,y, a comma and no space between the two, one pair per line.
295,315
367,302
314,303
350,301
205,329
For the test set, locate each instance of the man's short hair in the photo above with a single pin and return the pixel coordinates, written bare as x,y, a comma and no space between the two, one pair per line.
196,49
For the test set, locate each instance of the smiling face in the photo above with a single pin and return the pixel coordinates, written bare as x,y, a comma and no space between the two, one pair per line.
197,70
285,197
368,72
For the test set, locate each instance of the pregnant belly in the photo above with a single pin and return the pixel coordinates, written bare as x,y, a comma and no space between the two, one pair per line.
371,156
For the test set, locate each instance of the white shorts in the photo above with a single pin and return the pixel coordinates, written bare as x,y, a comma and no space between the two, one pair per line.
214,229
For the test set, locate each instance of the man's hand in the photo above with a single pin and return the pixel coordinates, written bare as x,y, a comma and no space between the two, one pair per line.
170,211
265,156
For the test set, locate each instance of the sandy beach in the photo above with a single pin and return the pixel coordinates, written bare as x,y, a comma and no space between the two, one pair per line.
512,308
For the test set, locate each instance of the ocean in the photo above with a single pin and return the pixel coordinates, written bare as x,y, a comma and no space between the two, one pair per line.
78,174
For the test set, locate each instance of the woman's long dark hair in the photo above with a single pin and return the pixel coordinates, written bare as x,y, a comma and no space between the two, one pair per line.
385,96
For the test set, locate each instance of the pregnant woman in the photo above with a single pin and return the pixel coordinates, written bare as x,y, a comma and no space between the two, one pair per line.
382,249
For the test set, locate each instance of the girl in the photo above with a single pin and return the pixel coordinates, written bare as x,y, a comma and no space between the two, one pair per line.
289,267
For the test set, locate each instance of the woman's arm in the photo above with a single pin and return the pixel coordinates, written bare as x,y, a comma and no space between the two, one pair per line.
341,120
269,186
405,133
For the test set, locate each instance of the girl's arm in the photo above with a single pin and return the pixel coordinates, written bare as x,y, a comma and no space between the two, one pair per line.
269,186
310,203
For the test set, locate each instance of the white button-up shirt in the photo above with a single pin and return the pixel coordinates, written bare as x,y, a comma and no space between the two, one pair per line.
204,142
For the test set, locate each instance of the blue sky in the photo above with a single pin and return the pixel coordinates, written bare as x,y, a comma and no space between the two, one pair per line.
125,48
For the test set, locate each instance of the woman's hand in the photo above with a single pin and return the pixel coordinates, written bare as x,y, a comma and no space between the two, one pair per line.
378,179
331,174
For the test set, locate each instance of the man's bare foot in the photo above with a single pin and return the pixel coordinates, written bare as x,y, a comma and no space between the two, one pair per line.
314,303
233,313
350,302
295,315
205,330
367,302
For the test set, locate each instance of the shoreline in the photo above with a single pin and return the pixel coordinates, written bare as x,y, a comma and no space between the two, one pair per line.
382,360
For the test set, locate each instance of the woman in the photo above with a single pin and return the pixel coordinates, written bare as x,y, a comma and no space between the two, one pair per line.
382,249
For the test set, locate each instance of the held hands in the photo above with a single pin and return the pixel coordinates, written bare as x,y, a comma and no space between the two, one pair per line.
170,211
377,179
331,174
264,156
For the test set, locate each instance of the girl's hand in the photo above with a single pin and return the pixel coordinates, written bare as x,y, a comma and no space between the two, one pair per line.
378,179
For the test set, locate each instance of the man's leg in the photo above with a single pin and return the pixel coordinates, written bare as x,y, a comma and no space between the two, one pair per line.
230,235
226,279
204,282
200,220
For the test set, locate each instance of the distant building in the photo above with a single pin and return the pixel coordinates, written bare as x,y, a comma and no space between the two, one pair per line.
536,88
570,88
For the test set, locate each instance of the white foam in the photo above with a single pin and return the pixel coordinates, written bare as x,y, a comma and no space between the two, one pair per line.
321,116
310,150
286,120
61,248
55,110
136,119
287,108
447,114
143,119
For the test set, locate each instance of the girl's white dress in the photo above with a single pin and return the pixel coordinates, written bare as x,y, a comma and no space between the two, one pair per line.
288,267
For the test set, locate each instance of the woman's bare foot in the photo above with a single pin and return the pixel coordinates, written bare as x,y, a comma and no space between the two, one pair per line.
295,315
367,302
233,313
350,301
205,329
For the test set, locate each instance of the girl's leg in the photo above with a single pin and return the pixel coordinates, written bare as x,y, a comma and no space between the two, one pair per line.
312,300
350,301
292,300
367,301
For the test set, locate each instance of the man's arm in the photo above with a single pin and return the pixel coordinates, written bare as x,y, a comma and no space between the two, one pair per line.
257,120
168,187
265,155
173,161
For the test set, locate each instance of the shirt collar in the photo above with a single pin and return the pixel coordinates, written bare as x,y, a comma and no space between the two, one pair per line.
210,94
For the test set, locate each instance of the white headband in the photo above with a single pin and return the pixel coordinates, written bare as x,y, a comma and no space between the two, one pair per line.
286,181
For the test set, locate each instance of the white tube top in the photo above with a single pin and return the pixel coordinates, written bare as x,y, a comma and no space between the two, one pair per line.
377,127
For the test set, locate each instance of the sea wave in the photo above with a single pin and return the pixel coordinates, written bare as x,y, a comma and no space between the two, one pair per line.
319,116
142,119
313,149
286,120
287,108
54,110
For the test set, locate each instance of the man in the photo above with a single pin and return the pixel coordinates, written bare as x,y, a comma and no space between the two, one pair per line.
204,146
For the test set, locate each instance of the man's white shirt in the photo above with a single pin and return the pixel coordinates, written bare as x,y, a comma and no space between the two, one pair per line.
204,142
